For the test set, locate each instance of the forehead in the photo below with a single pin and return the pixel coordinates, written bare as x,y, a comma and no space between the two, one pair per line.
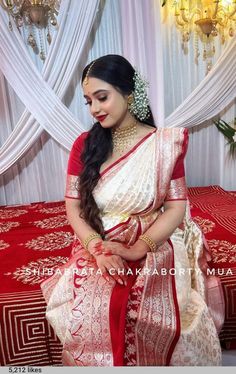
94,84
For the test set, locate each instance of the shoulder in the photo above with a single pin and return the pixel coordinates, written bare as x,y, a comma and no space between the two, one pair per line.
172,139
178,135
79,141
173,131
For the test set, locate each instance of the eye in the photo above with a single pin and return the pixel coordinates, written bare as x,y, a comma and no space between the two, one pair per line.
88,102
103,98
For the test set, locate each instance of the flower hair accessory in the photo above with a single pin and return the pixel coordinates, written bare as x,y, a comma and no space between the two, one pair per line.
139,106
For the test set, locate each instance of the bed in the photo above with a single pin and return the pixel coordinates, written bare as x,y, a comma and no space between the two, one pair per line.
214,210
36,238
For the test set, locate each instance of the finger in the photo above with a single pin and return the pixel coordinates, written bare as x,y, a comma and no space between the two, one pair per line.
107,252
106,277
97,252
104,273
126,266
112,270
117,270
98,244
110,251
119,280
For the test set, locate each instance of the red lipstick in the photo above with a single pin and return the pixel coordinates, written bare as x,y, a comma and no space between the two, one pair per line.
101,118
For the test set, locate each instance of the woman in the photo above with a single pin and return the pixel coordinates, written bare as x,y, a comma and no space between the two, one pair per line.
132,292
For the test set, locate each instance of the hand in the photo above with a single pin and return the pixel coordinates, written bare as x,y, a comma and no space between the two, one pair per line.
132,253
112,266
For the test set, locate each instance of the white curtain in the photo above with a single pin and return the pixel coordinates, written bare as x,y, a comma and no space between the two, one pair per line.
191,99
142,46
42,93
45,167
208,161
215,92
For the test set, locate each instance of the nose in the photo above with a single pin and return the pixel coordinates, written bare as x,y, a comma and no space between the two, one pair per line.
95,107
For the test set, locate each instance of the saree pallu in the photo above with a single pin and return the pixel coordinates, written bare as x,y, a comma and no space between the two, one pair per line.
163,316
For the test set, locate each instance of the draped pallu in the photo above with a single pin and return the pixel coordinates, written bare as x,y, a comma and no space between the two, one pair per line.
162,317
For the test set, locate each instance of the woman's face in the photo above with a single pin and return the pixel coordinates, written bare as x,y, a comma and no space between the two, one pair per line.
107,105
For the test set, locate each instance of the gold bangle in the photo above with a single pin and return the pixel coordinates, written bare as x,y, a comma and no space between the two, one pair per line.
151,244
92,236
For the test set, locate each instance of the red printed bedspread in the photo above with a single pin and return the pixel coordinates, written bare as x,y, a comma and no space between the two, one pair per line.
36,238
214,210
33,239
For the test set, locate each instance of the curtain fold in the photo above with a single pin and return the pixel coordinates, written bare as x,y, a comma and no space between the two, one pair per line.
215,92
42,93
142,46
40,174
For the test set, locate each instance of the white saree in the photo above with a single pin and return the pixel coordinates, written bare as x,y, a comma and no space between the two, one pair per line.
168,314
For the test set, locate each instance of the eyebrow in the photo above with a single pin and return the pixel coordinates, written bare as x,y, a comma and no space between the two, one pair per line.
96,92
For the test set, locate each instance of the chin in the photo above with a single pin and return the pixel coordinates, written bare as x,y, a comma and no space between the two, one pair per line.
107,125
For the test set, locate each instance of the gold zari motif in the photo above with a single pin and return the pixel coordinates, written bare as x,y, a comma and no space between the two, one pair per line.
72,187
130,195
177,190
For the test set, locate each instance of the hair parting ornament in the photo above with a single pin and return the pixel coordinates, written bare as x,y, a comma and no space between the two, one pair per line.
139,106
88,71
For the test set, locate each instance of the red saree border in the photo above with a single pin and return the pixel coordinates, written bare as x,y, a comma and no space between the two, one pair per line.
127,154
158,326
177,313
117,316
117,226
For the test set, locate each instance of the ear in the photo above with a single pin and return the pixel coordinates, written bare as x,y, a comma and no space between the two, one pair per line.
130,99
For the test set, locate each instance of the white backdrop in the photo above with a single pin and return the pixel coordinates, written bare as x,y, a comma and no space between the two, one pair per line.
119,26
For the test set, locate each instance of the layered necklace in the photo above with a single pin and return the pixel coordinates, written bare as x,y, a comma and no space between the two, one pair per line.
123,138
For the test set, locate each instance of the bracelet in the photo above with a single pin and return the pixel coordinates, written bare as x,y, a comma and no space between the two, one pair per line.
92,236
151,244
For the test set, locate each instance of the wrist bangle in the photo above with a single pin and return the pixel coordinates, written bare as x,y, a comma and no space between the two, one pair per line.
92,236
151,244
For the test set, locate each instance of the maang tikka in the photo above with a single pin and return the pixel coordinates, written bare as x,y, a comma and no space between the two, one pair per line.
88,71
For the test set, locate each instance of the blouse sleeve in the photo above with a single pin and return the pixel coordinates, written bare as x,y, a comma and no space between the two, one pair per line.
178,189
75,167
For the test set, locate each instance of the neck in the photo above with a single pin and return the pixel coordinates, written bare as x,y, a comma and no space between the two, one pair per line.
123,137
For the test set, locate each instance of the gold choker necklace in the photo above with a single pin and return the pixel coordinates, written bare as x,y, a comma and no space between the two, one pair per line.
123,138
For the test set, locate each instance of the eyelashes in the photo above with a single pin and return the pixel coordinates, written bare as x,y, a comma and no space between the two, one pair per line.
102,99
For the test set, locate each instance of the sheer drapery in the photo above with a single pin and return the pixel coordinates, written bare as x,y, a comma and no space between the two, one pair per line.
208,160
191,99
142,45
216,91
44,165
42,93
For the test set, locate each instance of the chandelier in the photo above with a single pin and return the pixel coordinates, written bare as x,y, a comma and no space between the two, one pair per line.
205,20
35,15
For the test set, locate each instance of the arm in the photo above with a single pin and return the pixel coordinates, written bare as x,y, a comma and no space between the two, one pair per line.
164,226
107,265
160,231
80,227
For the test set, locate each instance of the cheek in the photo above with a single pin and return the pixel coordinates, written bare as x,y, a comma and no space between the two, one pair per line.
118,107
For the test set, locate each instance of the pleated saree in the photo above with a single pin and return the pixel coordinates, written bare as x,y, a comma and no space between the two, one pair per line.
171,311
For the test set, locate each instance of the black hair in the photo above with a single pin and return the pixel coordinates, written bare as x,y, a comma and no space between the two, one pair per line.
117,71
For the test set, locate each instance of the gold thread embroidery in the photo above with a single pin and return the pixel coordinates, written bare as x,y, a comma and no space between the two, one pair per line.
72,186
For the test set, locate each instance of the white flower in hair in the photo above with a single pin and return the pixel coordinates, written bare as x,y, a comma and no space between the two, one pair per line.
140,104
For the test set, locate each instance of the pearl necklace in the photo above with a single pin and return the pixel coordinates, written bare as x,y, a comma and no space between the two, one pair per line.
124,137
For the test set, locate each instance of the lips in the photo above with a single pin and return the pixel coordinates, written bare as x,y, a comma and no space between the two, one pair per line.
101,118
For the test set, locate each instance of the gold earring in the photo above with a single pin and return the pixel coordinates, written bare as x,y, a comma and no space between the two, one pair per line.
130,100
